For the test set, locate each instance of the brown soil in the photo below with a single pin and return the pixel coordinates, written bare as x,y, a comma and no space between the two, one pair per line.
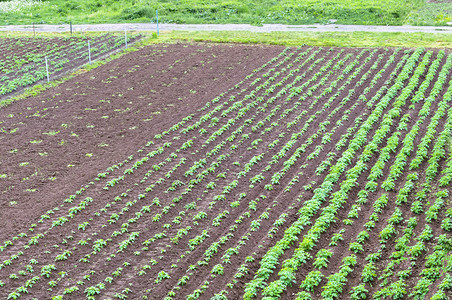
170,82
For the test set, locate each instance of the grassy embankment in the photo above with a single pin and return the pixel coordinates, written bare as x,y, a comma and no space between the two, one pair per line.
382,12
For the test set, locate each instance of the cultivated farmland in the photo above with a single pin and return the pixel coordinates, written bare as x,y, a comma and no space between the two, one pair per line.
22,60
192,171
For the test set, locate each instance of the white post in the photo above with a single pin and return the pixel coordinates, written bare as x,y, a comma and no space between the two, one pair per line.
89,52
125,35
47,70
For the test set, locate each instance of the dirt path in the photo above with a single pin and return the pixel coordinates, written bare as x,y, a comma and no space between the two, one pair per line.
227,27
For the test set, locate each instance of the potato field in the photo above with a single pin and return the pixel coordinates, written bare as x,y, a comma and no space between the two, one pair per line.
223,171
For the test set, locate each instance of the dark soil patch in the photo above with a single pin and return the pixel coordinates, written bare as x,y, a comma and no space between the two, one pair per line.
170,82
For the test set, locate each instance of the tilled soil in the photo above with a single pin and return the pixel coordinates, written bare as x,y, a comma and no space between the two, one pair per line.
67,135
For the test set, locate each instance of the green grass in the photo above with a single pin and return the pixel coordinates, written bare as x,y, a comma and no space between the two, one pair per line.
439,13
382,12
333,39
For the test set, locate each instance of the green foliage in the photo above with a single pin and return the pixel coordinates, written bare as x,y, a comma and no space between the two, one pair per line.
356,247
322,257
358,292
312,280
384,12
369,272
217,269
436,13
162,275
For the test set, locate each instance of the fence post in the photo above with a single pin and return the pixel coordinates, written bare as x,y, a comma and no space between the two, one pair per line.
70,22
47,70
125,36
157,15
89,52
